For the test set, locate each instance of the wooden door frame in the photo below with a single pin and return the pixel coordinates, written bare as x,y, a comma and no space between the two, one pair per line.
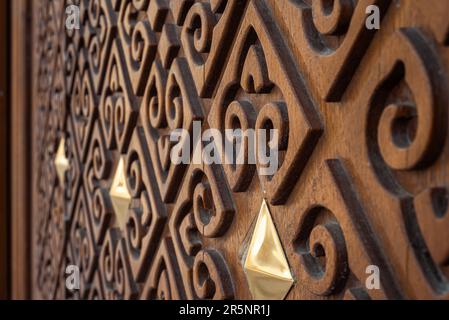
20,152
4,146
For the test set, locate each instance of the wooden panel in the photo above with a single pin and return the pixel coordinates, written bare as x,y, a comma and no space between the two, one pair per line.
362,117
4,147
20,149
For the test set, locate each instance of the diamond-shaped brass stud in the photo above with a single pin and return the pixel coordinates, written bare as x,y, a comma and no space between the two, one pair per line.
61,161
120,196
266,266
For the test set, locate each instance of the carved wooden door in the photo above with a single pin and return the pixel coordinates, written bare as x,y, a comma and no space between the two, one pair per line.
361,185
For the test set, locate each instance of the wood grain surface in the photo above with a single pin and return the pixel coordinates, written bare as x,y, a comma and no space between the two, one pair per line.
363,121
4,146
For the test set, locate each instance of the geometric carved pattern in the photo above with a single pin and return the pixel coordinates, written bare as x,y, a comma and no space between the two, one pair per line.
363,122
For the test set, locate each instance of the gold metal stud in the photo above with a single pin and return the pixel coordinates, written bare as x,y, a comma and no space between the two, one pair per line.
120,195
266,266
61,161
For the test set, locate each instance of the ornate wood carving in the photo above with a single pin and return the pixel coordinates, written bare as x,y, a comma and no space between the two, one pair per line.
363,122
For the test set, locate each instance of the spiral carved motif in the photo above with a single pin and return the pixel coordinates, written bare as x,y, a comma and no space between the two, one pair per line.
324,241
332,17
403,147
356,119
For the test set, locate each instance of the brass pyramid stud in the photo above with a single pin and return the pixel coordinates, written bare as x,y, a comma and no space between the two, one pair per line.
61,162
120,195
266,267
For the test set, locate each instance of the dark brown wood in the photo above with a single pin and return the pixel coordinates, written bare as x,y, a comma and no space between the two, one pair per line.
362,117
4,147
20,187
